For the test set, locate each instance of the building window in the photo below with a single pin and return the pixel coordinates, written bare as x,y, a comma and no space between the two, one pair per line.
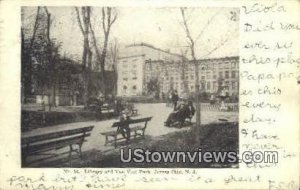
215,85
226,74
208,86
203,77
134,78
215,76
124,87
234,85
227,84
203,85
220,65
221,75
233,65
134,72
125,79
226,64
233,74
134,87
192,77
208,75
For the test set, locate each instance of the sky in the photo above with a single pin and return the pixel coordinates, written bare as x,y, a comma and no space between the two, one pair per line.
161,27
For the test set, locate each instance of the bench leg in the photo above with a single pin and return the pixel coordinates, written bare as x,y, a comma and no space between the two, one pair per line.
106,140
135,134
80,152
115,138
70,154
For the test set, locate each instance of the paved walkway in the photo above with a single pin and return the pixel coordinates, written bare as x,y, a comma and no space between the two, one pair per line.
155,128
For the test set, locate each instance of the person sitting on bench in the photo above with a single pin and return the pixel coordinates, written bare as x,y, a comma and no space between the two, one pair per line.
191,110
124,129
182,112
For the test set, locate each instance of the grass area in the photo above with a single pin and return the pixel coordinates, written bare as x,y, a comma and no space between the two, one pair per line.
212,137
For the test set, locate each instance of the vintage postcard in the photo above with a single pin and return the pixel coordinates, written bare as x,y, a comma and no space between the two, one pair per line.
149,95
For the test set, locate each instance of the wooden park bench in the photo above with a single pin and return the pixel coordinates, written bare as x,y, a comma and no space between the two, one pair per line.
40,144
135,129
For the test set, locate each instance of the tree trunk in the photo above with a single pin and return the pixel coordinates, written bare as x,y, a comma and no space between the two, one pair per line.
102,62
197,92
89,61
84,71
86,22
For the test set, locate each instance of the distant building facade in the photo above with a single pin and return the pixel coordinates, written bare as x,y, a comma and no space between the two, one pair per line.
130,75
144,63
132,68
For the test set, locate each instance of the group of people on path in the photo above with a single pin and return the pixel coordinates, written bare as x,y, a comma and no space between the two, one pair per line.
180,112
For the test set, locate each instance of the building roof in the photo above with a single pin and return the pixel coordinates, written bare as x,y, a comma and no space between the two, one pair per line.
219,58
152,47
131,56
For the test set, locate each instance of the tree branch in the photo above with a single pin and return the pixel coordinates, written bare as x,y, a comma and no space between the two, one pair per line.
114,18
207,24
108,17
36,24
95,43
215,48
48,25
79,20
188,34
103,20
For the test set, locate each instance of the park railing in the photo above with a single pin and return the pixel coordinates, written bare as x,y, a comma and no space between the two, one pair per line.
231,107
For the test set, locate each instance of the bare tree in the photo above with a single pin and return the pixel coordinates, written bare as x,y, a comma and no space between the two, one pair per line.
51,62
191,44
109,16
96,47
84,21
27,57
114,51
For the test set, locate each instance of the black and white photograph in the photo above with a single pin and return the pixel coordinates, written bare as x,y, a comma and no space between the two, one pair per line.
129,87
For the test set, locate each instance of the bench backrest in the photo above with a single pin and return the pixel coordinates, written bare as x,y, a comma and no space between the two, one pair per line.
84,132
131,121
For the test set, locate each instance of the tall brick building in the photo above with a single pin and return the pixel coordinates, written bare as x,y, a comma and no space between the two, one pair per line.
144,62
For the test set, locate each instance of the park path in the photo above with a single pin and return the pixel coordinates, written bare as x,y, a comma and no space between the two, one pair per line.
155,127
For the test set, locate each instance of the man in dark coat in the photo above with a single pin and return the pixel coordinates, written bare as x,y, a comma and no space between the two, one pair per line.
175,99
124,129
